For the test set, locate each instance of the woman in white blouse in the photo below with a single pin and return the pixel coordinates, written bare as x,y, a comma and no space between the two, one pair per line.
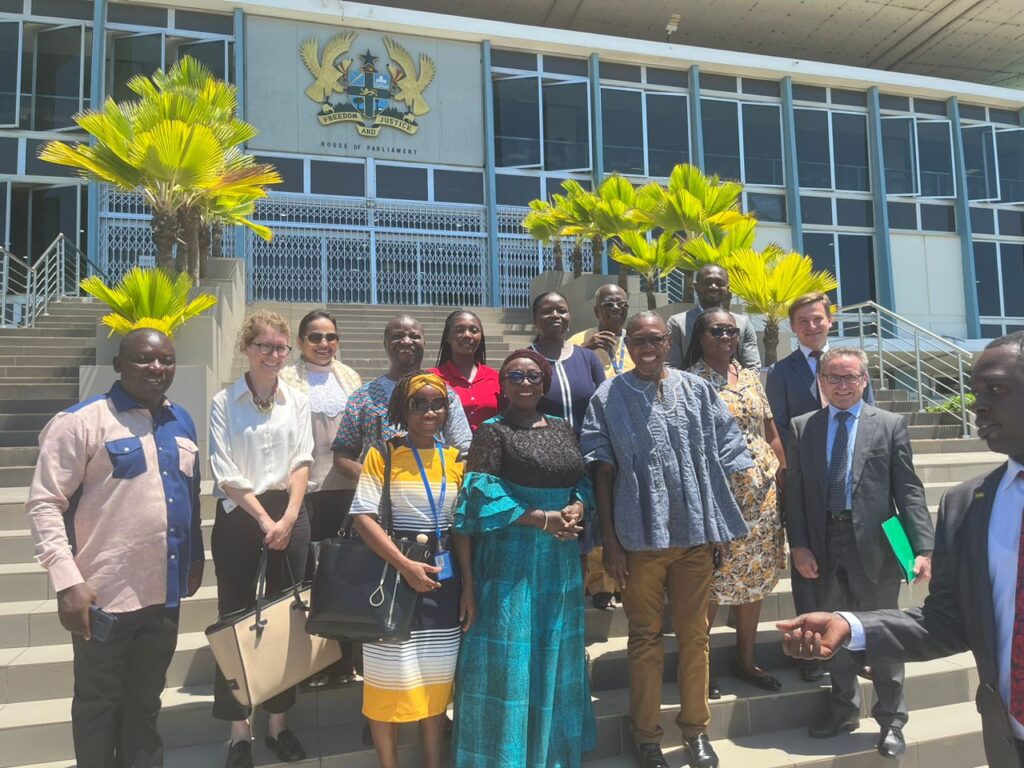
328,384
261,451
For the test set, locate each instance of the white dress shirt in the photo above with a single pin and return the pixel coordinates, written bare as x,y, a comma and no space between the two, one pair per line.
812,362
255,451
1003,547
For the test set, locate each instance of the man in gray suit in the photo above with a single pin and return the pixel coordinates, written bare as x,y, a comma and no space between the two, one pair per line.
712,288
850,468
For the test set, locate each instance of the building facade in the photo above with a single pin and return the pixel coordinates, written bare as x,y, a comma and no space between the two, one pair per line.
411,143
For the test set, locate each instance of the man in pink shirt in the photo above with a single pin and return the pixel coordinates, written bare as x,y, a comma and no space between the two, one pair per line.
114,511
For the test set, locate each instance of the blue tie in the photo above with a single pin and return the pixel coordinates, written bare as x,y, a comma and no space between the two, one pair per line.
836,494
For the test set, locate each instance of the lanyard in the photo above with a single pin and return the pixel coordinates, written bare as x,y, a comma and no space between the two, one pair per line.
619,357
426,484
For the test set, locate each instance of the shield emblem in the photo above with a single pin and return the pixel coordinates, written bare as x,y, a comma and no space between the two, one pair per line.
369,90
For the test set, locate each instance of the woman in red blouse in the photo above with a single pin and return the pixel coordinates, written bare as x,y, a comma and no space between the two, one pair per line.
460,362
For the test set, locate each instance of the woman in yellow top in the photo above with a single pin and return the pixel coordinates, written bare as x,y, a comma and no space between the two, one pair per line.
413,681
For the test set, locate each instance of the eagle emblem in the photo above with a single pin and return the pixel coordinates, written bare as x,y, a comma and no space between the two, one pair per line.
371,96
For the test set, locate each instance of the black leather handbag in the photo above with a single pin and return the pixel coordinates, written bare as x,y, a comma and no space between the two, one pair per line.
357,596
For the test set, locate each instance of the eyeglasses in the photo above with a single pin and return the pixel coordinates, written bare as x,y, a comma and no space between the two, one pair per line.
272,349
316,337
850,378
518,377
614,304
420,405
647,341
718,331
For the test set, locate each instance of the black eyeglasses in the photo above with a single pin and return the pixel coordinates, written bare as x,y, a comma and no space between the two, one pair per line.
718,331
518,377
273,349
850,378
421,405
316,337
614,304
646,341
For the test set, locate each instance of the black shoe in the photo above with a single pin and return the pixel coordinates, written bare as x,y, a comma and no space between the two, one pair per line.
866,673
604,601
699,753
714,692
649,755
286,746
812,671
239,755
833,723
764,681
891,743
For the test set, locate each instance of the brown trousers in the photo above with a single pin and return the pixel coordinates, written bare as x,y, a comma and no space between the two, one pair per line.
685,573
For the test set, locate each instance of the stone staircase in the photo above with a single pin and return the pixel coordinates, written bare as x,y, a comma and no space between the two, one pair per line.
749,727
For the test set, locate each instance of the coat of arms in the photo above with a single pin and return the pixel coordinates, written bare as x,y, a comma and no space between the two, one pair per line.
371,95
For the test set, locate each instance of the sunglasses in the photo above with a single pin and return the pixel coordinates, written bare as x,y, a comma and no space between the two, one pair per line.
316,337
646,341
614,304
421,405
273,349
518,377
718,331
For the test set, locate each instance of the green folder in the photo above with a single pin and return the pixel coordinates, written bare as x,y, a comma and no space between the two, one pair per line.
900,544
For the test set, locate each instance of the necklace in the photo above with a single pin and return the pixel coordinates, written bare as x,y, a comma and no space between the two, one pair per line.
263,405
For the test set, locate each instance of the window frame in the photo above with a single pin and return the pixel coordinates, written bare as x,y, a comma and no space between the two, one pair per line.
914,155
81,26
557,83
952,164
995,158
18,73
999,132
114,39
643,129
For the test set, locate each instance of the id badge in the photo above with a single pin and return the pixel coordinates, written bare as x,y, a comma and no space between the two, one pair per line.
443,560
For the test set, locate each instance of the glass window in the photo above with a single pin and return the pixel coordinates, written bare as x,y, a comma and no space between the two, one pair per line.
895,103
980,162
935,158
674,77
850,147
991,331
820,246
1011,261
983,221
516,190
290,169
34,166
900,153
767,207
762,144
721,138
566,126
930,107
810,93
553,186
760,87
337,178
58,77
217,23
627,72
516,121
1008,116
816,210
717,83
854,213
902,215
8,159
563,66
972,112
1010,150
136,55
849,98
814,163
401,182
143,15
938,218
1011,224
986,276
459,187
63,9
856,269
668,135
10,57
622,121
514,60
211,53
12,6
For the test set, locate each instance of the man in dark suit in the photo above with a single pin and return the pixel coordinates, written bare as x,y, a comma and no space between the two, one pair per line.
712,288
850,468
976,595
792,389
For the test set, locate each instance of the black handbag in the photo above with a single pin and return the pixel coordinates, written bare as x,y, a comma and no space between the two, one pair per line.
358,596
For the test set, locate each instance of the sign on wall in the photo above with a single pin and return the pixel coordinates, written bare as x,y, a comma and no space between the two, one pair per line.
352,93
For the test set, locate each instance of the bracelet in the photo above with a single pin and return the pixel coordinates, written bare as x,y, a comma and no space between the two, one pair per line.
545,521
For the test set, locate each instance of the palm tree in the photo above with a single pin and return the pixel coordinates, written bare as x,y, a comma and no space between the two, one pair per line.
616,199
544,225
769,281
653,260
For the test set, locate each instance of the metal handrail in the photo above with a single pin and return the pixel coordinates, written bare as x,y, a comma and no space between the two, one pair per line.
879,309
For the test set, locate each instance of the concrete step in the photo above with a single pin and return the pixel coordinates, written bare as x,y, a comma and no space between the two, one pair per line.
48,333
18,437
955,445
26,345
39,391
933,491
955,467
36,405
24,421
935,431
16,475
11,456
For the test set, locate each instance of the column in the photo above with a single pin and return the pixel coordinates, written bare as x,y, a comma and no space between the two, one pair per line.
696,128
490,181
790,166
96,96
963,223
597,141
876,164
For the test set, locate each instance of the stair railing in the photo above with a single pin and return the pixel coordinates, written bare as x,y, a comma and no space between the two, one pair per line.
932,368
26,289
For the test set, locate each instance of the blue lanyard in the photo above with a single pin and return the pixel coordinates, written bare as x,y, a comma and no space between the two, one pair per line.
426,484
620,354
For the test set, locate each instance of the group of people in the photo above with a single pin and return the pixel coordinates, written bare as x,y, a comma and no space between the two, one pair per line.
637,459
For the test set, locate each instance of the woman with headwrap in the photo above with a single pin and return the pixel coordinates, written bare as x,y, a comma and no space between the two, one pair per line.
523,502
412,681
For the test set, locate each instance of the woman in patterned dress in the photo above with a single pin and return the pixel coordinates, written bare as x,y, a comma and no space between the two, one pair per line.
752,569
412,681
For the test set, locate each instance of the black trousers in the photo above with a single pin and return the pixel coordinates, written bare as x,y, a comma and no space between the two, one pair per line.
117,690
236,543
844,586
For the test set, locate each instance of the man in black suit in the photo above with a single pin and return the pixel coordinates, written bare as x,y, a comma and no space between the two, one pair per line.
849,469
976,594
792,389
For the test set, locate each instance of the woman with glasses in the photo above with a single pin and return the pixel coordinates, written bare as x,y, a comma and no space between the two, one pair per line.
412,681
327,383
521,692
461,362
261,451
752,569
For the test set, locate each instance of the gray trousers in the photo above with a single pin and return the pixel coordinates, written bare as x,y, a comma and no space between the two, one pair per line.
844,586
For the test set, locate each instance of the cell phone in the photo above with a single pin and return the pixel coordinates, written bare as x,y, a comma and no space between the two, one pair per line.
101,624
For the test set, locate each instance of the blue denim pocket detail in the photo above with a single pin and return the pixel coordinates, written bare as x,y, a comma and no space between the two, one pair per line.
126,457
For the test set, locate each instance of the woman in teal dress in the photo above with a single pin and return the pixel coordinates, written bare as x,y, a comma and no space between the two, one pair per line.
523,501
